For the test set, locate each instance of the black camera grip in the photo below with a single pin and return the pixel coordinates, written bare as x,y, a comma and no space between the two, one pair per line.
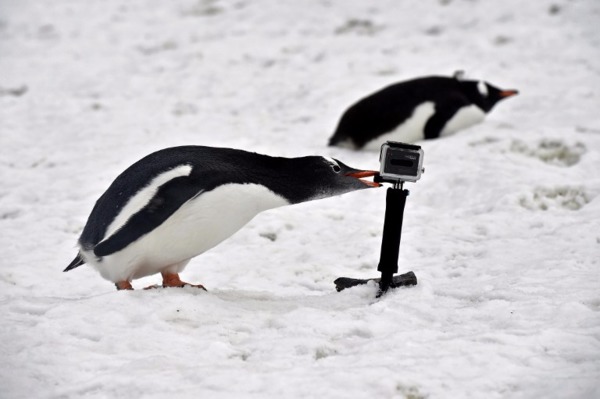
392,231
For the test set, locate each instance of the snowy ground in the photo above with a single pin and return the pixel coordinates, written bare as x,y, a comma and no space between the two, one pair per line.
503,230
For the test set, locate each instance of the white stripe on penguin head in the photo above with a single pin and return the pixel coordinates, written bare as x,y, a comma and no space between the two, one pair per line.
332,161
482,87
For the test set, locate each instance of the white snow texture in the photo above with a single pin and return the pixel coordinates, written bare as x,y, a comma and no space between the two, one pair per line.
502,231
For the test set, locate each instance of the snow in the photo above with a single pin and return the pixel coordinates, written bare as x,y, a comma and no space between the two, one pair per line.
502,231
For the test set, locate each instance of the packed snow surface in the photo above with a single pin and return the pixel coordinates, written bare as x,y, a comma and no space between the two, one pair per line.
502,231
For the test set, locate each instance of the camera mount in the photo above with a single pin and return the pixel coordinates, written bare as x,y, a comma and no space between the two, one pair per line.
399,163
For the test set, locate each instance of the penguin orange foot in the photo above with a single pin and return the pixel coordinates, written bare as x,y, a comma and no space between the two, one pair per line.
173,280
123,285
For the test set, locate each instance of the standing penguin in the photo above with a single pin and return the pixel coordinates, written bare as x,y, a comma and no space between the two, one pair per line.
179,202
424,108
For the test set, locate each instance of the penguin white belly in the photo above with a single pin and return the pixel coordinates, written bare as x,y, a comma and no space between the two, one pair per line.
464,117
198,225
410,131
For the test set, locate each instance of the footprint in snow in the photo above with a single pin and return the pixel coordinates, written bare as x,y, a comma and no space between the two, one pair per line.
572,198
554,152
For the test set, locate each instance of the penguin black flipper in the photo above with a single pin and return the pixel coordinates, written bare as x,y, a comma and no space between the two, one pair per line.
78,261
167,200
443,113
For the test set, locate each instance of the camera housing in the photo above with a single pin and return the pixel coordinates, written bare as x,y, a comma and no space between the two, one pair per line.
400,162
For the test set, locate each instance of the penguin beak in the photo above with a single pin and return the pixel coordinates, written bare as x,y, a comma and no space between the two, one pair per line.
365,173
508,93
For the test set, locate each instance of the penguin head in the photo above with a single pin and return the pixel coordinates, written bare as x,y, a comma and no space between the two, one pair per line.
328,177
485,95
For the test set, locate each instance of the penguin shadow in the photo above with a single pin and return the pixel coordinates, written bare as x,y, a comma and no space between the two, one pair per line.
357,297
248,300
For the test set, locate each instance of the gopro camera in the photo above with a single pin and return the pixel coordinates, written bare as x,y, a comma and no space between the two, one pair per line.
400,162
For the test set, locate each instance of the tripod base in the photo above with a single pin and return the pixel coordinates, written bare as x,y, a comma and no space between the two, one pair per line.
399,280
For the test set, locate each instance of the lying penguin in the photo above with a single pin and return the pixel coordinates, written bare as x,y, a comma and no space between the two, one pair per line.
424,108
179,202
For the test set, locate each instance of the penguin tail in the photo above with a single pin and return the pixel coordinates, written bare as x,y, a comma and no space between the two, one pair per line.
335,139
78,261
459,74
343,141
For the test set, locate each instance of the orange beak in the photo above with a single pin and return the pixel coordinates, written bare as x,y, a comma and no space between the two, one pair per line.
365,173
508,93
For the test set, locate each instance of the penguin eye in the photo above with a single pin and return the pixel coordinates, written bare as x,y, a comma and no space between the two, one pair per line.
482,87
333,164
